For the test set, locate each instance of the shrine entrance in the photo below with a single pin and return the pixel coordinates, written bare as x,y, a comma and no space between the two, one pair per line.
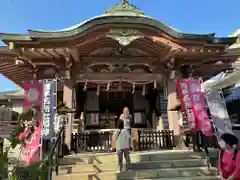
120,45
110,105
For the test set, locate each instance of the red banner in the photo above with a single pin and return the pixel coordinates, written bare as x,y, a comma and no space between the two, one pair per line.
194,105
30,152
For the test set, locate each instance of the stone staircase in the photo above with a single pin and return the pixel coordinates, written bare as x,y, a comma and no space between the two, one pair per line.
165,165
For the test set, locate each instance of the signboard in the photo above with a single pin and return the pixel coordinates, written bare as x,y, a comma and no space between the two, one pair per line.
48,115
5,114
218,111
6,123
30,152
6,128
193,102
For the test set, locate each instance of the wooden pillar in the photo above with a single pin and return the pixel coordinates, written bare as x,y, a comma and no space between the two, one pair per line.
68,100
173,116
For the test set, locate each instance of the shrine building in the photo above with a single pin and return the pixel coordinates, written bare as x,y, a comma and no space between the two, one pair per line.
119,58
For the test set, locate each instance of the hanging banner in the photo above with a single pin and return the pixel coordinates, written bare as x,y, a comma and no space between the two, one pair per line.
30,152
193,100
48,116
218,111
186,103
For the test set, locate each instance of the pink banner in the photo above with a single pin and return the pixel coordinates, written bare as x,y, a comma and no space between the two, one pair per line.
30,152
193,102
186,103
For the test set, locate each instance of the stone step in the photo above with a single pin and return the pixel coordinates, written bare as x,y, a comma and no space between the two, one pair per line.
171,178
141,174
135,156
78,168
190,178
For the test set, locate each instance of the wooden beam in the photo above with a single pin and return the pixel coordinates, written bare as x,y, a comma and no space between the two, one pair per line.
168,54
62,52
6,59
10,67
24,57
75,54
202,50
53,52
15,69
118,60
58,63
6,64
49,63
11,45
204,60
147,46
20,73
69,61
44,53
165,42
133,77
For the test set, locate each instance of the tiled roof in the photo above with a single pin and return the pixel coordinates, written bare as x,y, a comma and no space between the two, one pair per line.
12,94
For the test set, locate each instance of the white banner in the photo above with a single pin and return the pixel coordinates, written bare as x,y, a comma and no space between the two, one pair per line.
218,111
48,108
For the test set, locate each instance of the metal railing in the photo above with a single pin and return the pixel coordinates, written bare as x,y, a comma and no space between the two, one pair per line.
56,153
203,143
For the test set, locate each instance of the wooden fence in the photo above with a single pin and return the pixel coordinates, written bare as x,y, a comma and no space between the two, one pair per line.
142,139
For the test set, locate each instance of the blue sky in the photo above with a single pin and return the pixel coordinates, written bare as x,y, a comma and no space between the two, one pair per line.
205,16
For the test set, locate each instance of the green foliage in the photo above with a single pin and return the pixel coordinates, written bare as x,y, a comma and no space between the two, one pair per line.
28,119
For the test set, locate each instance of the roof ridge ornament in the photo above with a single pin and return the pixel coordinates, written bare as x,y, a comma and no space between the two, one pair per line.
124,6
124,2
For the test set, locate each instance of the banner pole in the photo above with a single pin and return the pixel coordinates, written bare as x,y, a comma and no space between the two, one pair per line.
41,139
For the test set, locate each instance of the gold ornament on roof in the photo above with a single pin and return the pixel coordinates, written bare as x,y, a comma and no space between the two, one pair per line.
124,1
124,7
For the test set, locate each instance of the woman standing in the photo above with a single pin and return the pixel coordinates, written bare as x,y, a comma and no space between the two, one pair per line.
122,145
126,117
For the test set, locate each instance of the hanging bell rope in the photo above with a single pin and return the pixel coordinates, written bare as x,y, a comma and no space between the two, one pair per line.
173,74
144,90
155,85
85,86
140,83
133,90
98,90
120,86
108,86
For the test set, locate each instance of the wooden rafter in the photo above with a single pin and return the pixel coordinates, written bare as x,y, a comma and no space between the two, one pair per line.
14,69
166,43
147,45
43,52
23,73
168,54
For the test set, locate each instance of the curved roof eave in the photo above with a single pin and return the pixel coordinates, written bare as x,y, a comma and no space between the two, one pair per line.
117,18
111,19
14,37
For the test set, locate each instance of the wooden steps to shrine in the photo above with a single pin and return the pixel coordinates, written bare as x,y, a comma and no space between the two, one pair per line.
175,165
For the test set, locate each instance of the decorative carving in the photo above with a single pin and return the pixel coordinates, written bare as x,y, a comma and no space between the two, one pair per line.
124,36
113,52
117,68
124,7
